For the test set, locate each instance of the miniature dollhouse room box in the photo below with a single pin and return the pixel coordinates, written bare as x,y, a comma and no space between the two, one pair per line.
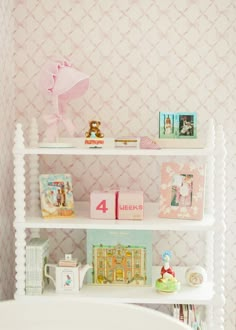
120,257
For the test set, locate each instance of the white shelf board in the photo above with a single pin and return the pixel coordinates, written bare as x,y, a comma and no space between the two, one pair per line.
151,221
129,151
145,295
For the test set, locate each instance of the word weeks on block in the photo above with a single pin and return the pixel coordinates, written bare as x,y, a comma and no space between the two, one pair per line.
121,205
130,205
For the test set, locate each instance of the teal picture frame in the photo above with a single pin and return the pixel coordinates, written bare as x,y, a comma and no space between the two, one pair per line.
181,125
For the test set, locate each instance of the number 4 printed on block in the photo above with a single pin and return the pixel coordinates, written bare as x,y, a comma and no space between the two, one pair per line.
103,205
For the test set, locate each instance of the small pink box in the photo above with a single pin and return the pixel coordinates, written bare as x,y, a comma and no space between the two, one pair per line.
103,204
130,205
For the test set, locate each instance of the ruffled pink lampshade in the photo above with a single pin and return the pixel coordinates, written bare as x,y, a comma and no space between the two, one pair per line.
60,78
63,83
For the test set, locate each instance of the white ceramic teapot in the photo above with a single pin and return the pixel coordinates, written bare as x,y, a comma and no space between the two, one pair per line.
67,279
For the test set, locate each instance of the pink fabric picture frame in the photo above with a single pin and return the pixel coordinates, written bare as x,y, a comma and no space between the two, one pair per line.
182,191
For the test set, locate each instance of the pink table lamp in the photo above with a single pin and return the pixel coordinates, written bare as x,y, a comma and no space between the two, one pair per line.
63,83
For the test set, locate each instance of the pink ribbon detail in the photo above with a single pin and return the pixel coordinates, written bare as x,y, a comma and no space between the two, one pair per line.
53,121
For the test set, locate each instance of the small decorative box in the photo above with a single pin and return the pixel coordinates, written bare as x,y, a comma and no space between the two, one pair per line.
196,276
127,142
103,204
130,205
68,261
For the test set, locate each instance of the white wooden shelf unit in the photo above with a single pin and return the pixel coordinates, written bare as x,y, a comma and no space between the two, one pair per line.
213,224
144,295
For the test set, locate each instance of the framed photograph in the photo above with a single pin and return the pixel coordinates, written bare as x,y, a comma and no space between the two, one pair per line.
166,125
186,125
182,191
177,125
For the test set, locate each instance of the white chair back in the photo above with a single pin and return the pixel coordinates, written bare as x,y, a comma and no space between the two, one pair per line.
72,314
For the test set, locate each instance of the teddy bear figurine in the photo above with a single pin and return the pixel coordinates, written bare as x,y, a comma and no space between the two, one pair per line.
94,130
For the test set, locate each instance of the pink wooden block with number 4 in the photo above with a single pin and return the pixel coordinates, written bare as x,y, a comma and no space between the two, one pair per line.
103,204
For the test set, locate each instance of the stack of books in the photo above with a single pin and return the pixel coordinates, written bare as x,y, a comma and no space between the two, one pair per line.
37,253
189,315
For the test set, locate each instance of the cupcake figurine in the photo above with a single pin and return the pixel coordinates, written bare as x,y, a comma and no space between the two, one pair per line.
167,282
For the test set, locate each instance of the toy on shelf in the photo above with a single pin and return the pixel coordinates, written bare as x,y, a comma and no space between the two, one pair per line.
94,130
62,83
68,278
167,282
94,136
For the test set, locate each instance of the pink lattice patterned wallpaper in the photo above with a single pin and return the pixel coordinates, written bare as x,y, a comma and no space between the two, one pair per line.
142,56
6,166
